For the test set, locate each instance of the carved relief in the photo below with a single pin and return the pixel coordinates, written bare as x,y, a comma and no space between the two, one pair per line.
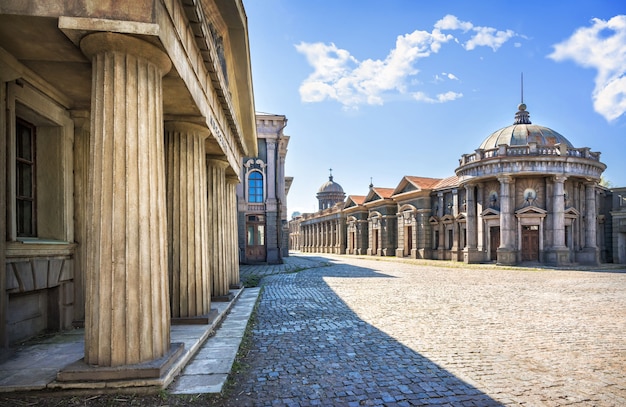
530,192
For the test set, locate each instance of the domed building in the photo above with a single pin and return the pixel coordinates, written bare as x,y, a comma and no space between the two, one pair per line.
530,196
330,193
526,195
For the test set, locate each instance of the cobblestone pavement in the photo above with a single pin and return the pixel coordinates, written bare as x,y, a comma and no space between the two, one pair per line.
348,331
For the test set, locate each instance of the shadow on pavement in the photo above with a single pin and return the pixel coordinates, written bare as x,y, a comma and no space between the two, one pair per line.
309,348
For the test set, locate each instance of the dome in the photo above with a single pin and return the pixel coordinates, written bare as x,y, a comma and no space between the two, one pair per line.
523,132
330,186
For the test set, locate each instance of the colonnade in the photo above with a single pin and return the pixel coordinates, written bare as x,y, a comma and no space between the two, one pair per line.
326,236
161,219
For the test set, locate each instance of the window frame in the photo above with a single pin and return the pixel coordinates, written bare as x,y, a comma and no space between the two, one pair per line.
256,193
32,194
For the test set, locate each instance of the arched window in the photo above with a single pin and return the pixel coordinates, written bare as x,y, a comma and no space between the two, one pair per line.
255,187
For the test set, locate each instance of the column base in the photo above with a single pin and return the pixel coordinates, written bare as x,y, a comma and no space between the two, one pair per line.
196,320
472,256
223,298
588,255
558,256
506,257
80,371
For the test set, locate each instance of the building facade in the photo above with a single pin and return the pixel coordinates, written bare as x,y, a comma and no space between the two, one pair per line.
262,197
525,195
122,135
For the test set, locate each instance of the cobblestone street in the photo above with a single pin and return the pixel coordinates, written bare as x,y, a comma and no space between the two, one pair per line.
338,330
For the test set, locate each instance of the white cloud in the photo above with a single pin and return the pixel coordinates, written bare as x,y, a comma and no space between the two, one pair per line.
603,47
440,98
451,22
450,76
484,36
337,75
488,37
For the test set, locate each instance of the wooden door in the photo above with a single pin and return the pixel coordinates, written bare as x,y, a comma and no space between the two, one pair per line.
530,243
255,239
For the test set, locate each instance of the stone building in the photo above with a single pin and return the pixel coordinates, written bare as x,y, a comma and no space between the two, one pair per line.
122,135
526,194
324,231
262,197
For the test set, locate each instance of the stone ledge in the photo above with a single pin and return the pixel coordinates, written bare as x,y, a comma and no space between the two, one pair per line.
197,320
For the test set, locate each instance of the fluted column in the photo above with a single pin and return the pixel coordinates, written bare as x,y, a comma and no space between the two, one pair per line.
187,226
231,191
220,280
127,314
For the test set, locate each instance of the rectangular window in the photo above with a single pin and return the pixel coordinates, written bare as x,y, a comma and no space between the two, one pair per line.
25,197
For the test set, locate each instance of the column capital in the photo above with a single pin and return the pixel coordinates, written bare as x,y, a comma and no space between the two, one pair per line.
179,125
560,178
94,44
232,179
217,162
505,179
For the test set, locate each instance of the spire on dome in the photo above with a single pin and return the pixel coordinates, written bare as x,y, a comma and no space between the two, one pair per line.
522,116
330,177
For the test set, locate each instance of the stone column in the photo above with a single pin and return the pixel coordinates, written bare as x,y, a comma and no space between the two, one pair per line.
480,224
559,254
470,253
590,254
558,212
590,215
187,229
216,170
506,251
231,187
127,313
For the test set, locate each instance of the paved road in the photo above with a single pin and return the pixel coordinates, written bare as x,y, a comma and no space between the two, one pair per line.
352,332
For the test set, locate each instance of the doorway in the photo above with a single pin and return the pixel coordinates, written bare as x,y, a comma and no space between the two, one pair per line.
408,240
494,242
255,238
530,243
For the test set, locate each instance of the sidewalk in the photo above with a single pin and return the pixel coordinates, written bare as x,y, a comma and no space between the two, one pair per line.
34,365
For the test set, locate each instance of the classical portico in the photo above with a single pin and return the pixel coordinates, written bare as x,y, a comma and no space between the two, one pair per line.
134,227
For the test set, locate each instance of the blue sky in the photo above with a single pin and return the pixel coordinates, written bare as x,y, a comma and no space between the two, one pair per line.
384,89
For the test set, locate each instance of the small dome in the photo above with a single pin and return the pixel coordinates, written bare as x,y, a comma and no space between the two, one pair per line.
523,132
330,186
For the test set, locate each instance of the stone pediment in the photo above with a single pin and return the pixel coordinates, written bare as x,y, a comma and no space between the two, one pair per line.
461,217
447,219
490,212
433,220
572,213
531,211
